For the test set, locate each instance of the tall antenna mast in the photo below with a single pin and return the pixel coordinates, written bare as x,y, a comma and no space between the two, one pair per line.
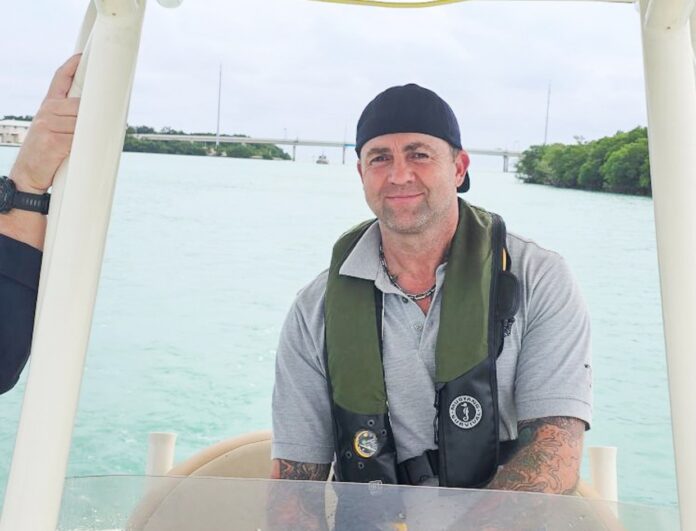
548,106
217,131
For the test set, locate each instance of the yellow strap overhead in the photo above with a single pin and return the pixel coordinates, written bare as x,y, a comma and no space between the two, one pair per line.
394,3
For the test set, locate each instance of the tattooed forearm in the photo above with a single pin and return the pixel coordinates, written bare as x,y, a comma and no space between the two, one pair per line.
547,458
292,506
286,469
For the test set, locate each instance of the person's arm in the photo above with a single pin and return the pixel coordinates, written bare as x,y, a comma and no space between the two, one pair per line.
552,384
46,145
19,278
22,233
295,508
291,508
547,458
302,431
286,469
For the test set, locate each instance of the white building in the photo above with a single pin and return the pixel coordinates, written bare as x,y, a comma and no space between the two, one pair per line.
13,131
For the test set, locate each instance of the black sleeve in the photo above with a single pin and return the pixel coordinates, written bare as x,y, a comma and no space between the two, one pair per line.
20,265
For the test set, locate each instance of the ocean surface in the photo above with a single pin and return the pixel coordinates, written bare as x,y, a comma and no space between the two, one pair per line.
205,255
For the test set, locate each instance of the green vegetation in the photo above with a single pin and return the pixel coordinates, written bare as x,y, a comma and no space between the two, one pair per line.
616,164
242,151
20,118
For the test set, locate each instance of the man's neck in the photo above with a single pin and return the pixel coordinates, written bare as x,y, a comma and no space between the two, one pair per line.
414,258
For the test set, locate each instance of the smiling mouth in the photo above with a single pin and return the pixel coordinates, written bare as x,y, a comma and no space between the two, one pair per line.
403,196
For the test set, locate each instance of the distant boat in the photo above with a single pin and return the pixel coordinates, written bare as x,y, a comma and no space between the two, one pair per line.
322,159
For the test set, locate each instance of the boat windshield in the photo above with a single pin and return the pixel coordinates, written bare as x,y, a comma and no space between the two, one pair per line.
175,503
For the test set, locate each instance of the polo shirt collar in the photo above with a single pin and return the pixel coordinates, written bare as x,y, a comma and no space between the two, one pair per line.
363,260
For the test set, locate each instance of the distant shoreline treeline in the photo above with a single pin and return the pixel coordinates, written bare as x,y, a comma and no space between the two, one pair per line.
618,164
177,147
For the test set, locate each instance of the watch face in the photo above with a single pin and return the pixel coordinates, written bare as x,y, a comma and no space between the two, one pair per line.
6,194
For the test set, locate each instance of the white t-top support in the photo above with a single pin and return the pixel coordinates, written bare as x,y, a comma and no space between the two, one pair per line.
603,475
693,35
160,453
77,226
671,100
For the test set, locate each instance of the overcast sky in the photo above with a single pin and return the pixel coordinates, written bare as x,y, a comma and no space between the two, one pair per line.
306,69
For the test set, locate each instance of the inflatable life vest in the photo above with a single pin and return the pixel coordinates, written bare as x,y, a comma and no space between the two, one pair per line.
479,301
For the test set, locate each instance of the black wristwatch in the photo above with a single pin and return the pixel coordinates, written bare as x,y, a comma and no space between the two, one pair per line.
10,198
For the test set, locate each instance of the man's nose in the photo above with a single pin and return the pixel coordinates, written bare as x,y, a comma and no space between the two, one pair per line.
401,172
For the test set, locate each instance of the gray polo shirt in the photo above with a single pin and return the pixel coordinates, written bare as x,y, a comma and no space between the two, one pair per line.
544,369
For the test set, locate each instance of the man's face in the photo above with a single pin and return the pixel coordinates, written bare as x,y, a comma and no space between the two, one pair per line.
410,179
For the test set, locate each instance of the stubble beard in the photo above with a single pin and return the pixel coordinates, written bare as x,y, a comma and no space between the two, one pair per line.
400,222
414,220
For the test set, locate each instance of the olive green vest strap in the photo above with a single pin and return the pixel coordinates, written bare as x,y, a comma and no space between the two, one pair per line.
462,340
352,342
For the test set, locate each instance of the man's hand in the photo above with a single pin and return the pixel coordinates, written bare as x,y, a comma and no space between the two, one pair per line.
46,145
547,458
50,136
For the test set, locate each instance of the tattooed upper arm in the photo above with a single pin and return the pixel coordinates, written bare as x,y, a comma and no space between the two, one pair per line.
547,458
286,469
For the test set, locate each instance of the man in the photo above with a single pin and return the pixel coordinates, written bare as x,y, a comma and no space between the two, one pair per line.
23,220
387,361
411,165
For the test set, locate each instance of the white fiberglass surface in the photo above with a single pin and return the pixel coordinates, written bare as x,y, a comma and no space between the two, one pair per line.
169,503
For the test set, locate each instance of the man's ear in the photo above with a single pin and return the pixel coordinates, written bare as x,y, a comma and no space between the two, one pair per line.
461,164
360,170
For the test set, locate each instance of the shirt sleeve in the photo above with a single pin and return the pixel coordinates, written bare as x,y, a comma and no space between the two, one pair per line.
302,429
554,373
20,265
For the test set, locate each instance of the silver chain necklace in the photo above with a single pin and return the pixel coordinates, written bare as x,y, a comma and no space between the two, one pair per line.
415,297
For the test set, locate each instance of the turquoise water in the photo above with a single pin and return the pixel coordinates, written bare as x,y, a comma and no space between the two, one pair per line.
204,257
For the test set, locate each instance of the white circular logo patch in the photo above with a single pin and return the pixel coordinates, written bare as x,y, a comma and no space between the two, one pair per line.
465,411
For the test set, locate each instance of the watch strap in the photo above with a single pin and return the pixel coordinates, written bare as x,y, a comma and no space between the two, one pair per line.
32,202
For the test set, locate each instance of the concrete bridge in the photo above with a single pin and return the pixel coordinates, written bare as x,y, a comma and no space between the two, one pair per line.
504,153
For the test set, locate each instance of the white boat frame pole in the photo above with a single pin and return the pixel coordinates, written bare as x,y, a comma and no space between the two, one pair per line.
77,226
693,35
671,100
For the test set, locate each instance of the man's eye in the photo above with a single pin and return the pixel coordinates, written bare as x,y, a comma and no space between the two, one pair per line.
378,158
420,155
